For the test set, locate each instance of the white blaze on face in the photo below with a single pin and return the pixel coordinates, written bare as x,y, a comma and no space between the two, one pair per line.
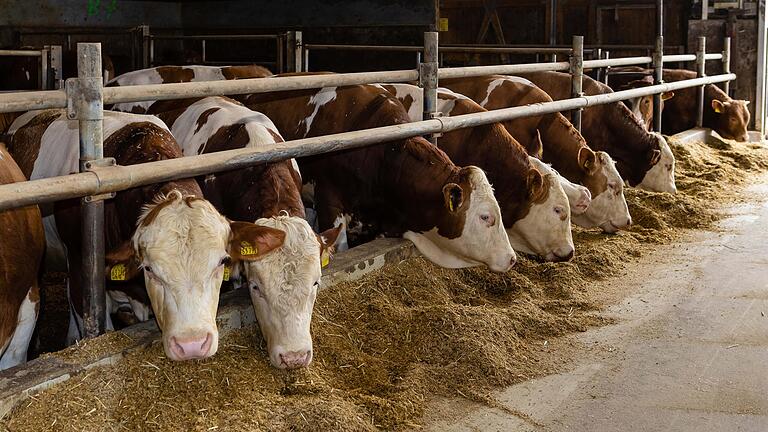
483,240
579,197
283,286
661,177
183,251
609,209
546,229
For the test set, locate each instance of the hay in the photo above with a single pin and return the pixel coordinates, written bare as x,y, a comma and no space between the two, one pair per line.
388,342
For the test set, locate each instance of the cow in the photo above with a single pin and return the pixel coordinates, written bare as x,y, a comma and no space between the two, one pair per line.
21,254
579,197
168,231
180,74
536,226
405,187
644,159
552,138
284,284
726,116
642,106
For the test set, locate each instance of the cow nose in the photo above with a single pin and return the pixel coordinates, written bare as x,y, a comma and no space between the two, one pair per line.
629,221
191,348
565,256
296,359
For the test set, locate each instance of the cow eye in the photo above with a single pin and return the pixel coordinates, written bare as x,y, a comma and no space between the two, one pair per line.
488,219
148,269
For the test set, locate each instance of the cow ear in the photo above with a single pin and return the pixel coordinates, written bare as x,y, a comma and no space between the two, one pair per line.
587,160
655,157
535,182
328,240
250,242
453,196
122,263
667,95
717,106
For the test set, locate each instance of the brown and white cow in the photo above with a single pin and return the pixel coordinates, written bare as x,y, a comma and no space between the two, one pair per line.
642,107
21,252
283,285
179,74
405,188
179,239
553,138
536,213
643,158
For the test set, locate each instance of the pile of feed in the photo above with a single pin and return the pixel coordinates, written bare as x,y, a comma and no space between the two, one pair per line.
388,342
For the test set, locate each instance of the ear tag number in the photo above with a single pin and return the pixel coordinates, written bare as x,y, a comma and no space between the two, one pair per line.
117,272
247,249
227,272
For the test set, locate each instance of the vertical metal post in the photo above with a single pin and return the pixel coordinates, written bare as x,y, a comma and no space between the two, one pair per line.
294,46
726,62
704,9
56,66
281,53
202,55
761,77
306,59
597,54
658,78
577,74
701,50
428,77
606,55
145,55
418,58
45,79
87,97
552,22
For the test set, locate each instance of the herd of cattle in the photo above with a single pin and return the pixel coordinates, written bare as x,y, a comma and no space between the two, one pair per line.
474,199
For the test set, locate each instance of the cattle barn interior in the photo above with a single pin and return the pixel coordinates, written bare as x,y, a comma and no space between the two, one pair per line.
443,215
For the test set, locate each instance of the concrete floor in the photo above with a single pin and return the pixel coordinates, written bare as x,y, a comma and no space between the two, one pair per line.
690,351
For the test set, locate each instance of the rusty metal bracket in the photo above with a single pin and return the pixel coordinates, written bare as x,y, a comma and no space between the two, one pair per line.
94,166
84,98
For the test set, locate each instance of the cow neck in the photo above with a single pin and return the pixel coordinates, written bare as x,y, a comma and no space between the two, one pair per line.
133,144
562,144
633,143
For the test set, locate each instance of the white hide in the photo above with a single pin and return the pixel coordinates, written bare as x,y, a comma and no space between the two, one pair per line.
546,229
283,286
661,177
323,96
609,209
478,243
579,197
15,352
183,252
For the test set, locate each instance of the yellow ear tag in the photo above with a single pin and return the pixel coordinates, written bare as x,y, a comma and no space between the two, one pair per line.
325,258
117,272
246,249
450,205
227,272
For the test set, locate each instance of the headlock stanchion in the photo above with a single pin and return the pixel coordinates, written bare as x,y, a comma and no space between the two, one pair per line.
99,178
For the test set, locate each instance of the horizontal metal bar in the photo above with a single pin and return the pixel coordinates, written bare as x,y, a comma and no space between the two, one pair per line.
488,49
215,37
471,71
403,48
117,178
679,58
252,85
713,56
32,100
21,53
625,61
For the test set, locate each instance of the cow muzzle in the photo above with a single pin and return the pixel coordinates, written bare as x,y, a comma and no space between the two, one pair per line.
190,348
294,359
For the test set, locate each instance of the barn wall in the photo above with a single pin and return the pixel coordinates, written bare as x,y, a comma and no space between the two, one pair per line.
76,13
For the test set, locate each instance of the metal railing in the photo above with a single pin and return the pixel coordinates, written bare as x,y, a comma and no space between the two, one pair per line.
99,178
49,64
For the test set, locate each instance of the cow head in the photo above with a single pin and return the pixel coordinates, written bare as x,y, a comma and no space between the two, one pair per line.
608,209
469,229
661,176
546,229
283,285
642,107
732,119
579,197
183,245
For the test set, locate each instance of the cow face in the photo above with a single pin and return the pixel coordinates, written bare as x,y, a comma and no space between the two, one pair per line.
546,229
661,176
470,231
579,197
283,286
732,119
608,209
642,107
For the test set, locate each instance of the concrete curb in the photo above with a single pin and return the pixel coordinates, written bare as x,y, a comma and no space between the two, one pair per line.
235,311
710,136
